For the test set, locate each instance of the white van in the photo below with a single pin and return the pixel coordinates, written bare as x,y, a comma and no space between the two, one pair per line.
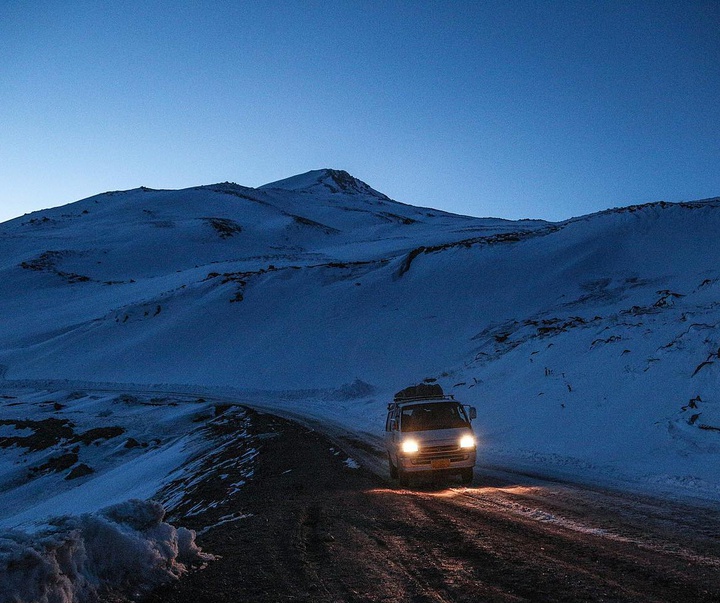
428,432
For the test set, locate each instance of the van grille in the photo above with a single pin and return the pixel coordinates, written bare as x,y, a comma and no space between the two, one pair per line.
452,452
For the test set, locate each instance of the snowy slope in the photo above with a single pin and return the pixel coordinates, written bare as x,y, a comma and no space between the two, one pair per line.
589,346
77,470
161,267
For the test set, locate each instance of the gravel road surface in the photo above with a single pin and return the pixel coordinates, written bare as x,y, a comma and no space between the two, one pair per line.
308,526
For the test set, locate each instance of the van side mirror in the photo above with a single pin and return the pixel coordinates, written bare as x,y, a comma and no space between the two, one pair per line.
473,413
393,425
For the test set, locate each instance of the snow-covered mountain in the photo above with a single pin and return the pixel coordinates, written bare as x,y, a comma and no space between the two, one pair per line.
603,326
589,347
281,286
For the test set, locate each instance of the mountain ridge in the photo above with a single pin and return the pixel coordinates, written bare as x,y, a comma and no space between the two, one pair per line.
335,182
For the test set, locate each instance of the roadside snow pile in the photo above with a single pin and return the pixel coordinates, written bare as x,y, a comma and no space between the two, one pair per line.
119,551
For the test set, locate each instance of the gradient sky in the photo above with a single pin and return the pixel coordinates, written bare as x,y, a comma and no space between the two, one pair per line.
506,108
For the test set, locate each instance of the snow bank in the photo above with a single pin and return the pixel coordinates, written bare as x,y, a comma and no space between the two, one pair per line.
119,551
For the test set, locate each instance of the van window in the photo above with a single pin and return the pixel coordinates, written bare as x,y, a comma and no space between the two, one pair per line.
438,415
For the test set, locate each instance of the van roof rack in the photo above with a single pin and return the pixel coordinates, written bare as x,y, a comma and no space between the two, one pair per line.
404,400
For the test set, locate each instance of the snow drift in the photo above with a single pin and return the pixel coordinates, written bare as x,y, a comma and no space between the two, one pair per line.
119,551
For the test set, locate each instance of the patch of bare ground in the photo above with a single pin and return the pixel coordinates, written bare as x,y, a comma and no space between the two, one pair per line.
317,530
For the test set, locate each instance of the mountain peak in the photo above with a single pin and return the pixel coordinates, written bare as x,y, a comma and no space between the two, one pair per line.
336,181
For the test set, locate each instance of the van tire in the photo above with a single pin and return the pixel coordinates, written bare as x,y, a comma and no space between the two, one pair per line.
393,468
404,478
466,476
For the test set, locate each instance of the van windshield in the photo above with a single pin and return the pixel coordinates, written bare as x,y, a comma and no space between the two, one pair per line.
436,415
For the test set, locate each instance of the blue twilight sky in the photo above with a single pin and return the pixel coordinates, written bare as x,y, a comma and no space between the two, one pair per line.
542,109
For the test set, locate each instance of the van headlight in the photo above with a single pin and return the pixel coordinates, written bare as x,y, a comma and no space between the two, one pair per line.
410,446
467,441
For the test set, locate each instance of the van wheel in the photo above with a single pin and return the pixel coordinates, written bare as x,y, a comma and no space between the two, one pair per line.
466,476
393,469
404,478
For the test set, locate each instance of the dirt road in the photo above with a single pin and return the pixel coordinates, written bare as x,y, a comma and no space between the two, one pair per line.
313,528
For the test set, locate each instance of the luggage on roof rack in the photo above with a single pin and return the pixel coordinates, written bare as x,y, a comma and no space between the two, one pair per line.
423,391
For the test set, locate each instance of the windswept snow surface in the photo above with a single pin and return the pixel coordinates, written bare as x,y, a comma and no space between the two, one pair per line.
589,347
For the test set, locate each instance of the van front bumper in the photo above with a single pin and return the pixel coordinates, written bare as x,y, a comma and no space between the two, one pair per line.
438,458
